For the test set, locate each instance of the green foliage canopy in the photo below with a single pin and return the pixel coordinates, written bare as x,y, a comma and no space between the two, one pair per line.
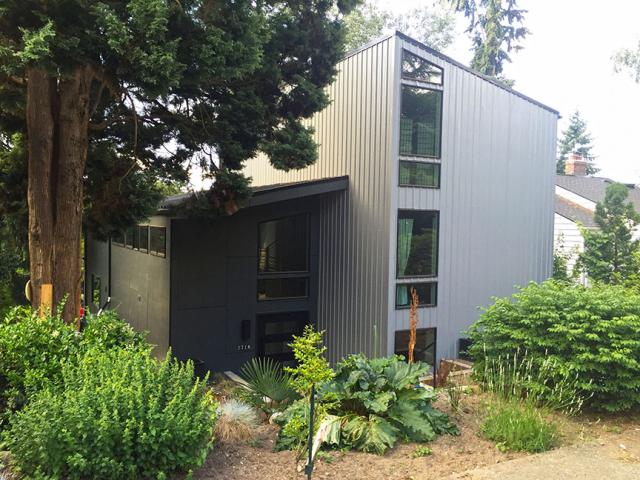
628,60
610,254
432,25
174,84
496,27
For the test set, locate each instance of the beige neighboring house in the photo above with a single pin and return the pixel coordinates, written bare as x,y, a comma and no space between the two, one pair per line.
575,203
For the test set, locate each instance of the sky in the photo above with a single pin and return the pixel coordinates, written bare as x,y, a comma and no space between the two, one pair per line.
566,64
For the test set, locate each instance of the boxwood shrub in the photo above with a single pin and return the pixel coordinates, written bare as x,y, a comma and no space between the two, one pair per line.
593,333
118,414
32,349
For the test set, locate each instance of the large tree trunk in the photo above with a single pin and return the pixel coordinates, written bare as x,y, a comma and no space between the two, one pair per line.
40,126
57,124
73,127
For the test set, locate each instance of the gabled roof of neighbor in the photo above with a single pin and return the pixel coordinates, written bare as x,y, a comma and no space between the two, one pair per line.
278,192
574,212
450,60
594,188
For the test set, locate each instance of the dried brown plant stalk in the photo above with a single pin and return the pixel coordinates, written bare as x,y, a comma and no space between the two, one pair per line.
413,323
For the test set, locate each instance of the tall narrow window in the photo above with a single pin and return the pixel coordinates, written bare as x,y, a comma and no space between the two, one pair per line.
143,235
417,253
419,174
283,258
416,68
158,241
131,237
420,122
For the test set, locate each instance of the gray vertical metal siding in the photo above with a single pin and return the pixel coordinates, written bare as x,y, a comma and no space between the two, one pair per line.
495,200
354,134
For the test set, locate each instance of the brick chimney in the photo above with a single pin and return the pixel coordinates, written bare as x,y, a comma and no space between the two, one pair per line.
576,165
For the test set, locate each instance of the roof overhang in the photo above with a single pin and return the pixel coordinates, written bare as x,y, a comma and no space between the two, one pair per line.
266,194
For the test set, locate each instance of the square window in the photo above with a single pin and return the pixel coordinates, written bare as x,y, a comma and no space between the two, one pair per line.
417,249
420,122
427,294
283,245
416,68
419,174
425,348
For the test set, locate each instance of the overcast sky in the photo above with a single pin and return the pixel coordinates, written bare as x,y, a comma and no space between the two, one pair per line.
566,64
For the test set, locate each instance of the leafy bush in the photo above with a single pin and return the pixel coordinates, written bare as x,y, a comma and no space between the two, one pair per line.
268,386
32,349
519,426
312,368
107,331
370,405
118,414
592,333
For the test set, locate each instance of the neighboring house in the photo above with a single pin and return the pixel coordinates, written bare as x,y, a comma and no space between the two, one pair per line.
575,204
429,176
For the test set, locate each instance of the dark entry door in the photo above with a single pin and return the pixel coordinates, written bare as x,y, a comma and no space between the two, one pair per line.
275,331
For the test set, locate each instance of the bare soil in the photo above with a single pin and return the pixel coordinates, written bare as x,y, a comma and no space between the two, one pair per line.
452,456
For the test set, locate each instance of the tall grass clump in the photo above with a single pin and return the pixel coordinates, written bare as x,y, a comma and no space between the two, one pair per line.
513,376
517,425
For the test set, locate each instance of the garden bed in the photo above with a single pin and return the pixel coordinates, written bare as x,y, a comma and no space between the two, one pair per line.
451,455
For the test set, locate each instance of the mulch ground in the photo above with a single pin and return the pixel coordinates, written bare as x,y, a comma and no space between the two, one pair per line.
450,454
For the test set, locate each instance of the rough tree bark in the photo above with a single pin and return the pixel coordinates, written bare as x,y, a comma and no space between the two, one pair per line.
57,127
40,127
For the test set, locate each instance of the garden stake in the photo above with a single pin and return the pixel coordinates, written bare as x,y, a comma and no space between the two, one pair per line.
308,469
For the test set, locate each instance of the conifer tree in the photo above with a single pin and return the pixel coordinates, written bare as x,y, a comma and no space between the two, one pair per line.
575,139
105,98
610,254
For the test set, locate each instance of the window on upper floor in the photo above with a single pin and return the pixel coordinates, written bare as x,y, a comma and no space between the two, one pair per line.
427,293
283,245
416,68
419,174
420,122
417,250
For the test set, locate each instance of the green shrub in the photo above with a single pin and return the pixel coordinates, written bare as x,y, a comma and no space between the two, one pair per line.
593,333
370,405
312,368
107,331
118,414
519,426
32,349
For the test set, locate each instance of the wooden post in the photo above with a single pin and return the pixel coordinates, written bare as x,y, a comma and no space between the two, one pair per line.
46,296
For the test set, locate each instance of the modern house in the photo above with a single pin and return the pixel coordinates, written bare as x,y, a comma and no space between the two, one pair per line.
576,197
430,176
